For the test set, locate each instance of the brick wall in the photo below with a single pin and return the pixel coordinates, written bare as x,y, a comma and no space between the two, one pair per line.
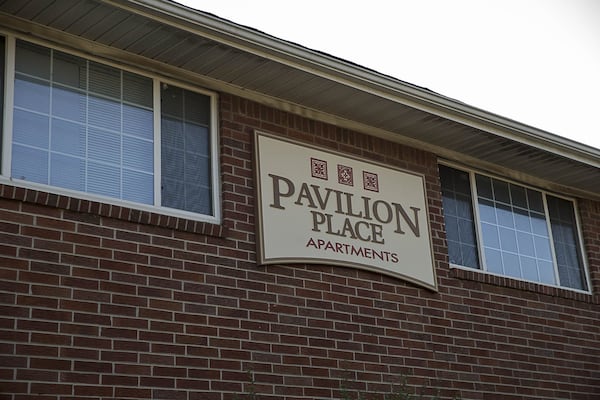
103,302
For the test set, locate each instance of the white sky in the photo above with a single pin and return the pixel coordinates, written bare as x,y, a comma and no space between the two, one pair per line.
533,61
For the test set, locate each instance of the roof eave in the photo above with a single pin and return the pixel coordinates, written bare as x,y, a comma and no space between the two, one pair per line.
347,73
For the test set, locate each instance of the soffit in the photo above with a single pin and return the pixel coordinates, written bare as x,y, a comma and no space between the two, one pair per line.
252,62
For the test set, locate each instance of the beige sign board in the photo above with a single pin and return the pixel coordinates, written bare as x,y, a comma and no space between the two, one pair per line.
317,206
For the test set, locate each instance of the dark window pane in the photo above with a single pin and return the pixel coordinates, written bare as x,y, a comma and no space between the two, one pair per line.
466,232
566,243
484,187
518,196
458,215
452,227
501,192
105,80
185,149
1,89
454,253
137,89
33,60
197,108
469,255
535,200
171,102
69,70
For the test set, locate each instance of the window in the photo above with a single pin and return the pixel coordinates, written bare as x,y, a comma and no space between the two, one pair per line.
84,126
2,72
523,233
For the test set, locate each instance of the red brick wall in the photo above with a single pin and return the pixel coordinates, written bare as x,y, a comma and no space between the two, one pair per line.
103,302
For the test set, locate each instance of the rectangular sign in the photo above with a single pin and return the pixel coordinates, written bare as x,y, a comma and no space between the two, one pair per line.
317,206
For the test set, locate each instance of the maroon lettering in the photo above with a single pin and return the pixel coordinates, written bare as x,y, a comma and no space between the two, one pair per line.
354,251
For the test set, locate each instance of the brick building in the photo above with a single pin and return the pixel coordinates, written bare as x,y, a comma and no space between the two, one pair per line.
193,209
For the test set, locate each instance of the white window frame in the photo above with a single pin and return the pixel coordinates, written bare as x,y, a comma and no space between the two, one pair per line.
479,235
9,60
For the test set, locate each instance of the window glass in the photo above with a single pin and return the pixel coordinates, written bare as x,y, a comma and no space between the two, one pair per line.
32,94
2,69
33,60
506,225
519,238
70,124
566,243
458,214
69,70
86,126
185,159
36,167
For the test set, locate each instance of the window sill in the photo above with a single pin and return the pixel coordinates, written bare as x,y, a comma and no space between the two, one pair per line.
91,211
502,281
